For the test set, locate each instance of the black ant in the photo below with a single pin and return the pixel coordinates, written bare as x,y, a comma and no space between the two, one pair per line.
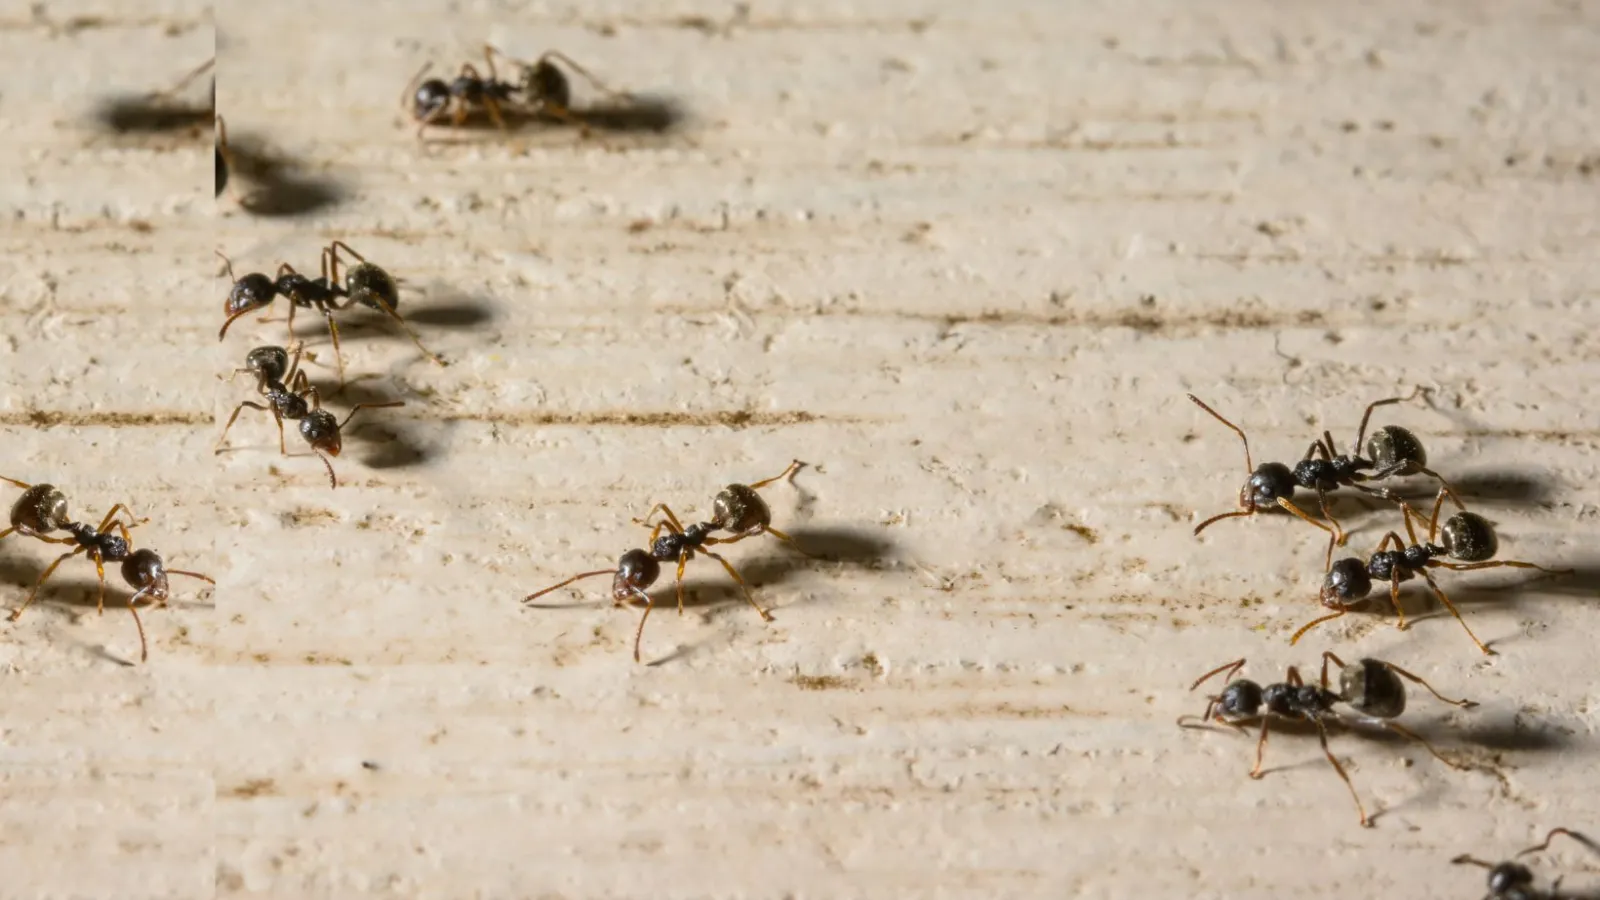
286,388
1512,880
40,510
638,569
365,283
143,570
1391,451
1371,687
1466,538
545,89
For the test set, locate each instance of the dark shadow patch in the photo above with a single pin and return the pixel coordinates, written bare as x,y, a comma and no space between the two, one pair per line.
129,114
639,113
273,185
446,307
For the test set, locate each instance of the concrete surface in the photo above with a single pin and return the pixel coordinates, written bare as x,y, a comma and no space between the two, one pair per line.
964,259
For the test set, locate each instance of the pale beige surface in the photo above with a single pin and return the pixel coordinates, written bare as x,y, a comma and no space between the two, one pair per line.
964,263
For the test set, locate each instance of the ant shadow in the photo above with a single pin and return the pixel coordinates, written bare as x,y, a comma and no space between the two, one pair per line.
134,114
277,186
639,114
446,307
393,443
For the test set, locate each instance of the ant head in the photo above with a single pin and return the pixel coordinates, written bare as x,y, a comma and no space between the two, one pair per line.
1371,687
321,431
372,287
1392,445
636,571
1268,483
739,508
41,509
430,97
253,291
271,363
1241,699
1469,537
1346,582
144,571
544,83
1508,877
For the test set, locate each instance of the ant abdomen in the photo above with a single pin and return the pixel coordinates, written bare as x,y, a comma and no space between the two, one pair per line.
372,287
1373,688
271,363
1469,537
40,510
738,508
1395,450
547,83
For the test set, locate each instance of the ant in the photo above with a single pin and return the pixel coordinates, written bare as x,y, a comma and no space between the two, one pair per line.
1371,687
638,569
1512,880
286,388
544,88
1467,540
143,570
737,509
365,283
1391,451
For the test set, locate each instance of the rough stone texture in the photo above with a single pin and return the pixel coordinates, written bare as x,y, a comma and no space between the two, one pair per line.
966,260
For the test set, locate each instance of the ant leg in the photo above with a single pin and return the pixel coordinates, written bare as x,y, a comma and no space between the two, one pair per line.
428,119
734,573
389,311
1261,749
793,545
184,81
1292,677
1322,735
21,484
683,559
338,353
231,419
1230,668
1493,563
1464,704
662,508
231,319
1249,467
1362,431
493,108
100,572
1394,599
360,406
1295,638
788,474
17,613
1437,592
1469,859
1403,731
1554,833
1294,510
638,635
106,522
598,84
1338,532
556,587
1327,656
144,647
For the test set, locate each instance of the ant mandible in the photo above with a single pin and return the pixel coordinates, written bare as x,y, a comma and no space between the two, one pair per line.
1466,540
1511,880
638,569
1371,687
143,570
286,388
1391,451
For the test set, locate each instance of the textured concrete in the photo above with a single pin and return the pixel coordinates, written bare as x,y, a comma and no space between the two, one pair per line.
966,263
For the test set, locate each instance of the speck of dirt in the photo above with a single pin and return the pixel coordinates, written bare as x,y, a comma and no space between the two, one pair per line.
255,787
818,682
